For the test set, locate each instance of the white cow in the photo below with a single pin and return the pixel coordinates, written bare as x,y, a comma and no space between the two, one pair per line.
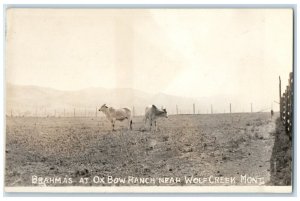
114,115
152,113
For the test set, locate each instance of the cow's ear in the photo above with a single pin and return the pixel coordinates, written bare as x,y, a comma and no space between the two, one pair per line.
154,106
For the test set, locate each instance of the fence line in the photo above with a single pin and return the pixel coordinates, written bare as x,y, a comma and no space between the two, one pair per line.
287,104
93,112
136,111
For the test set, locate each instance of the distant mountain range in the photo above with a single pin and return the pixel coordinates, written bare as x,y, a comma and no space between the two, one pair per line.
42,101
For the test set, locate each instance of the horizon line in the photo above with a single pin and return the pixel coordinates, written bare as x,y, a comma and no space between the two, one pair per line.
105,88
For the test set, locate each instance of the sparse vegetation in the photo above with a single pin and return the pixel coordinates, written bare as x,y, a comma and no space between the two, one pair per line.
281,160
184,145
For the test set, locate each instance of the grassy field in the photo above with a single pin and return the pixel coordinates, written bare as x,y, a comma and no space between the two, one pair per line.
218,145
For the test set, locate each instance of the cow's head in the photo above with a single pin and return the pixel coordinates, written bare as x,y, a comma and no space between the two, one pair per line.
103,107
164,112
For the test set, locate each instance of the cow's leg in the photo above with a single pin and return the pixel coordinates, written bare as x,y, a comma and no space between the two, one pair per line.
145,122
130,123
113,124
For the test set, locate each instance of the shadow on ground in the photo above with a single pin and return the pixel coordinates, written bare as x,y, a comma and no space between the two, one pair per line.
281,159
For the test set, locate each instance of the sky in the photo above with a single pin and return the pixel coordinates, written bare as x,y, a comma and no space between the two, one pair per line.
183,52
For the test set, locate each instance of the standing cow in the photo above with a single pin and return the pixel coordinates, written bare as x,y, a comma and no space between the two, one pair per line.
152,113
114,115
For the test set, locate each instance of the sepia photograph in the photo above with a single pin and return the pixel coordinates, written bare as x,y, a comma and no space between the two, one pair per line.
149,100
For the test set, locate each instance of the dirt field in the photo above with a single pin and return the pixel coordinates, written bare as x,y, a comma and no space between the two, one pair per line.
219,145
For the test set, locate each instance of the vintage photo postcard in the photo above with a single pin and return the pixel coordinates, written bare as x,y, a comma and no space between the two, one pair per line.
149,100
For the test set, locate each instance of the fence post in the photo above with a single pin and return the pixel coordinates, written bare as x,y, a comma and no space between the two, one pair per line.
283,99
291,83
288,109
194,108
286,105
280,103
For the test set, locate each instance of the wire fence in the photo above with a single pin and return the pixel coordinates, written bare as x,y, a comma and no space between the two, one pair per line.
94,112
65,112
287,105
